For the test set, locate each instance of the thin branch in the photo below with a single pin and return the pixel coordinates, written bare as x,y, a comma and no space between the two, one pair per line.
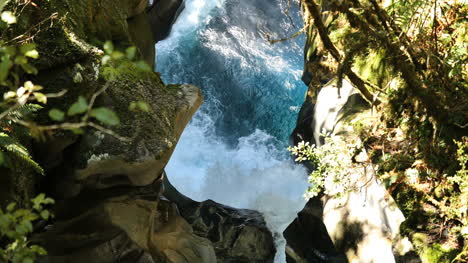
274,41
286,13
93,100
51,17
56,95
110,132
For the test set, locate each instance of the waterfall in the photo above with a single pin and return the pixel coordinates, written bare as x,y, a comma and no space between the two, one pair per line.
234,149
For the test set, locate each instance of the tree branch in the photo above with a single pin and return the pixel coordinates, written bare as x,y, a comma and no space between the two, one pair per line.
314,10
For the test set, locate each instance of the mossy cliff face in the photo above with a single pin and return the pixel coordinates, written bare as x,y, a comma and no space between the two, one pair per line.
69,43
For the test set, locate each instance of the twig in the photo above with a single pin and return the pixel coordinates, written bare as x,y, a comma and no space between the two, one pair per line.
285,39
286,13
110,132
56,95
93,100
52,16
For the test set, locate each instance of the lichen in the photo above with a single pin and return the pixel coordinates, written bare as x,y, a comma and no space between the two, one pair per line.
97,158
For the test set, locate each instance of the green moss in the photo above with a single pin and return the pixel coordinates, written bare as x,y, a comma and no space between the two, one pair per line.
437,253
129,71
433,253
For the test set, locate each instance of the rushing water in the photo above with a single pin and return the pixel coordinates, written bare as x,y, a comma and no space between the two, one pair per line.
234,149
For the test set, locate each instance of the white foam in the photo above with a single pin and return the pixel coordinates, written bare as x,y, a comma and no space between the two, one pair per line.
256,173
253,175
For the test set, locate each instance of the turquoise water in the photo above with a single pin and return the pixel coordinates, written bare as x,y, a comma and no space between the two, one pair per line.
234,149
248,83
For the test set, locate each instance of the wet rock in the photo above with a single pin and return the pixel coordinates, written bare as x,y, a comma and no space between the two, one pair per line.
118,249
163,14
238,235
308,239
107,161
125,224
108,185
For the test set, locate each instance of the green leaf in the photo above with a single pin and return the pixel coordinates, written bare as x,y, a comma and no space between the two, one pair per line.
56,115
108,47
131,52
5,66
143,66
39,250
28,85
40,97
27,224
28,260
77,131
37,201
2,158
45,214
105,59
2,4
143,106
19,60
32,54
9,95
132,106
105,115
79,107
117,55
27,47
9,50
30,69
140,105
49,200
11,207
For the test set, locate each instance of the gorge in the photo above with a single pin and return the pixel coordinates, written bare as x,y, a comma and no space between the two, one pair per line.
141,131
234,150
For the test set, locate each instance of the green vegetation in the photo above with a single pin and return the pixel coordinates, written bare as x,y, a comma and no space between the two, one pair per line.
408,59
16,224
332,163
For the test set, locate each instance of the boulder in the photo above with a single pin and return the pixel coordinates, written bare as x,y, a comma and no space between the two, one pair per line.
124,224
107,161
238,235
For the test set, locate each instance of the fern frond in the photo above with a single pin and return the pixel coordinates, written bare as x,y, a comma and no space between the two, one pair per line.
25,111
13,147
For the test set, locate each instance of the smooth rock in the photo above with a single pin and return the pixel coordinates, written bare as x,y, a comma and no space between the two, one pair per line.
110,225
364,225
308,239
163,14
238,235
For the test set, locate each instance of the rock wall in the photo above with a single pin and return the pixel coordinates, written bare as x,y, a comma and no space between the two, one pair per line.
363,226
